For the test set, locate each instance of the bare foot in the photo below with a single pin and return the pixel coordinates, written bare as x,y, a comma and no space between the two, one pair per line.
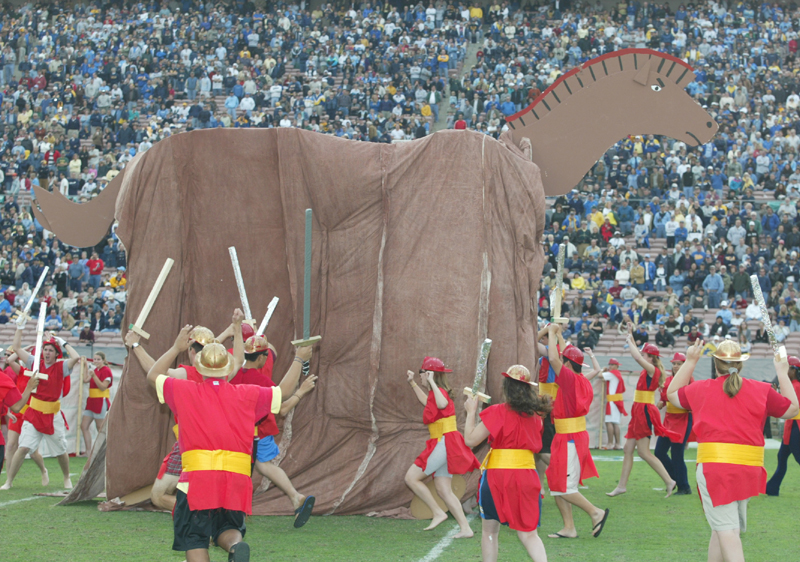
438,519
297,501
670,489
6,486
45,478
67,483
565,534
617,492
465,534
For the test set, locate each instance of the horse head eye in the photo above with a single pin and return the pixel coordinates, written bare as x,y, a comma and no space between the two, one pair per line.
656,88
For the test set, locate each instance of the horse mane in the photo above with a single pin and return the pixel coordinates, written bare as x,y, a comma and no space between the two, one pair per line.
604,60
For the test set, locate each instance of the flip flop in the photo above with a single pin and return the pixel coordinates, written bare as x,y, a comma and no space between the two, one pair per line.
240,552
302,513
600,525
560,536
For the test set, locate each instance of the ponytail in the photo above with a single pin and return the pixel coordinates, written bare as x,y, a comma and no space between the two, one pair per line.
733,383
657,364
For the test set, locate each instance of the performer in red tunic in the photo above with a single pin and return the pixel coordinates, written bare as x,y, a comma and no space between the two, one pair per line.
615,405
570,460
445,453
791,435
43,420
13,401
100,378
257,353
216,440
163,492
20,376
510,489
729,414
679,421
645,417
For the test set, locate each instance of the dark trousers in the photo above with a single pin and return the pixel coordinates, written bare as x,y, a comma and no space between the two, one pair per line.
793,448
676,466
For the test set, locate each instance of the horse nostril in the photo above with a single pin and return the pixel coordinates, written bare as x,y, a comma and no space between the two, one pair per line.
709,124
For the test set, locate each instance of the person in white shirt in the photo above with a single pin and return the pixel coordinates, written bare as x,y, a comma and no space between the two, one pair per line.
753,311
612,416
285,122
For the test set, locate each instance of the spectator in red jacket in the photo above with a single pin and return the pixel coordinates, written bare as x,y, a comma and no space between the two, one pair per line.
95,266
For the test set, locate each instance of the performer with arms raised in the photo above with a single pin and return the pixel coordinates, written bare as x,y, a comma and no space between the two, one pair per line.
679,421
729,414
791,435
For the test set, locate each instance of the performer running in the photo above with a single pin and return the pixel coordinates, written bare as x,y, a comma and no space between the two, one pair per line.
100,378
615,405
645,417
547,387
510,489
164,488
257,353
679,421
11,398
729,414
570,461
216,439
43,420
17,372
445,453
791,435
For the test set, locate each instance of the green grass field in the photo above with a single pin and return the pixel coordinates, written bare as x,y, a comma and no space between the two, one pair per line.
642,527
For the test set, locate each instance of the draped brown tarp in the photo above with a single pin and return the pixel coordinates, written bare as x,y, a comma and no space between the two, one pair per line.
420,248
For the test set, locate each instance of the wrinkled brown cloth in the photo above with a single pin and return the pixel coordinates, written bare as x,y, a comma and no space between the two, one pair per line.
401,235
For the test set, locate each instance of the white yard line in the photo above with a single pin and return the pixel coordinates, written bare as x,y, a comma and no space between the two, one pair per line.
446,541
12,502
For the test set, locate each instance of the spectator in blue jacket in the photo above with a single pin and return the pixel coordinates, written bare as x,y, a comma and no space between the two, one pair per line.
714,286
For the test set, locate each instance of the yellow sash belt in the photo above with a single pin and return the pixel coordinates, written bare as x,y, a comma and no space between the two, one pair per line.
675,410
548,388
730,453
645,397
219,460
45,407
175,430
614,397
570,425
442,426
797,417
22,411
97,393
509,458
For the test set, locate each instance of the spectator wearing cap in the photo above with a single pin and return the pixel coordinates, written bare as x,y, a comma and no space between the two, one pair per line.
664,338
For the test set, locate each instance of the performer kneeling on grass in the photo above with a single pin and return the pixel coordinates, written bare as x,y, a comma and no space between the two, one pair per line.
11,398
729,414
14,369
216,441
256,353
99,377
43,420
570,460
510,489
164,488
679,421
791,435
445,453
645,417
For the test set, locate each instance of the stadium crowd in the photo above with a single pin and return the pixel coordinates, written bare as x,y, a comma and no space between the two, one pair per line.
656,229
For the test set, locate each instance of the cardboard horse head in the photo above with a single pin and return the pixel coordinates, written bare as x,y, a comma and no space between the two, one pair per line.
588,109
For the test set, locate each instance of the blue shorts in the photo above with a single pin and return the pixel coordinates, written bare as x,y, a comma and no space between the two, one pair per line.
267,449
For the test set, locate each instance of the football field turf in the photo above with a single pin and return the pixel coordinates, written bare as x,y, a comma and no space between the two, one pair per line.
642,527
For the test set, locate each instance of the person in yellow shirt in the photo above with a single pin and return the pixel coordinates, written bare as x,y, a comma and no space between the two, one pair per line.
475,12
597,217
426,110
578,282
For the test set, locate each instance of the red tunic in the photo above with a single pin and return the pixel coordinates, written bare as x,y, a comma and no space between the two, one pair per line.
49,390
191,375
460,459
573,400
9,395
675,422
257,377
21,380
220,417
96,404
515,491
717,418
638,428
620,404
787,427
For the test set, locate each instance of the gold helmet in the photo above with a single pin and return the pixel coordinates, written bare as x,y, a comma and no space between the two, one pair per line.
256,344
729,350
214,361
519,373
201,335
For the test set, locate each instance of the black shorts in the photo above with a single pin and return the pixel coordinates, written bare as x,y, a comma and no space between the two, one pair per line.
193,529
548,433
2,456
